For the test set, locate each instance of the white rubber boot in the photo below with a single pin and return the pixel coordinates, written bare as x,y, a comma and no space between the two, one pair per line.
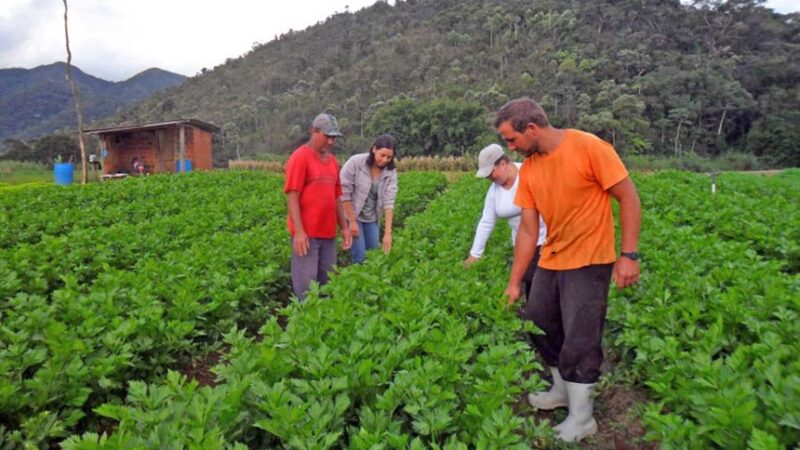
556,397
579,422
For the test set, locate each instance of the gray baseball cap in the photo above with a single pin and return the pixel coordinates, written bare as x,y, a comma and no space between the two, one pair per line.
327,124
487,158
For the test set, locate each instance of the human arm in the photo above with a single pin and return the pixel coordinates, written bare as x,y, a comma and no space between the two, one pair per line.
388,215
350,215
300,239
347,238
348,182
524,249
626,270
484,229
389,196
293,186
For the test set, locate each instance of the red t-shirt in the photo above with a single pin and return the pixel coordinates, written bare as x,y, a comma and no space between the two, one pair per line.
317,181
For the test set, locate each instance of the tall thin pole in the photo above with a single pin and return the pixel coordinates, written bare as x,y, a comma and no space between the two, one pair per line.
182,149
77,96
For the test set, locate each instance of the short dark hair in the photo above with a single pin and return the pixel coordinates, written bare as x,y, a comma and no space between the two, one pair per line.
383,141
503,158
520,112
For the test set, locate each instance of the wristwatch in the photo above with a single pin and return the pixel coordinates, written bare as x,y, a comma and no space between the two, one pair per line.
634,256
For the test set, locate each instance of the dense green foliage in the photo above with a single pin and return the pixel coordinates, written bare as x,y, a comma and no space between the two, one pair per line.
36,102
46,150
14,173
408,350
653,77
111,281
105,288
415,191
123,280
412,351
712,327
439,127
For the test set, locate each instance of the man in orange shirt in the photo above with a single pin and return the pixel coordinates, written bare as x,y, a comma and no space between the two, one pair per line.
569,178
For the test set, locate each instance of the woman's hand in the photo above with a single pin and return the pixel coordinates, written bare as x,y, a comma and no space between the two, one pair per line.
387,242
354,229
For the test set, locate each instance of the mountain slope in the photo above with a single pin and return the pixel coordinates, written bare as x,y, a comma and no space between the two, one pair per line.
650,76
38,101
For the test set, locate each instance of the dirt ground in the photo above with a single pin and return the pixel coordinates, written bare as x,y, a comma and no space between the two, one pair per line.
619,427
200,369
761,172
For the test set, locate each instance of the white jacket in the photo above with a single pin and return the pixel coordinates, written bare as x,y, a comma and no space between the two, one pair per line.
499,204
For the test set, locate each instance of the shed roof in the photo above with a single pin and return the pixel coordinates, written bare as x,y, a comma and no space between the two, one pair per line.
156,125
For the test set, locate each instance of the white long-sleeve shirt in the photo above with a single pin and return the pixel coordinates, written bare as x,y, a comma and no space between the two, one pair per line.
499,203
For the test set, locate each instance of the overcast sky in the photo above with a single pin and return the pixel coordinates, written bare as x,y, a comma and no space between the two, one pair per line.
116,39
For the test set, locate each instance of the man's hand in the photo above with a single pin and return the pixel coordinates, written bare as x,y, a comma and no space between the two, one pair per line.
626,272
387,242
512,292
347,239
470,261
300,243
354,229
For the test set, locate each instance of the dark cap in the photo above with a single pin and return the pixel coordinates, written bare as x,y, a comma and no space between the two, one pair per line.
327,124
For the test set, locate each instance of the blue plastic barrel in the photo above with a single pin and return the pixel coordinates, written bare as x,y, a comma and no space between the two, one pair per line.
188,165
63,173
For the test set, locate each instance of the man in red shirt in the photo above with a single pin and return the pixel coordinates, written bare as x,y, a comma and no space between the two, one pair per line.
569,177
313,193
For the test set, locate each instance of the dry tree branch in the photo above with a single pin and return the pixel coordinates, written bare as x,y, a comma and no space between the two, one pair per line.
77,96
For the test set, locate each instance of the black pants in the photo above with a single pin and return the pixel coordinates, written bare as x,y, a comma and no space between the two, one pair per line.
527,279
570,307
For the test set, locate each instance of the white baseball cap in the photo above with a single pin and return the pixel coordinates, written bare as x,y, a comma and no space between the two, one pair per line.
487,159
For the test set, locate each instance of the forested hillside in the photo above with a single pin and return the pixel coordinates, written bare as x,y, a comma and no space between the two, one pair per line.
35,102
652,77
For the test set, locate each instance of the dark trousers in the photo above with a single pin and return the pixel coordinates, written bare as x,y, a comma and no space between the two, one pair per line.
527,279
314,266
570,307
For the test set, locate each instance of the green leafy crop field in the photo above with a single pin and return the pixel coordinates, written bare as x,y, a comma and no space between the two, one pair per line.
106,290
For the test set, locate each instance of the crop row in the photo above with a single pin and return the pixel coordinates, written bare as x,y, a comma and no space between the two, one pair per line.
409,350
760,211
712,327
102,288
123,280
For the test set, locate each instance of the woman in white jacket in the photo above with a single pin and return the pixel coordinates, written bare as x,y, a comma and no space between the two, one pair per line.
369,187
495,165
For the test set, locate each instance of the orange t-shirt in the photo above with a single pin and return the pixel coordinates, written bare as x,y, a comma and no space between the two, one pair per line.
569,188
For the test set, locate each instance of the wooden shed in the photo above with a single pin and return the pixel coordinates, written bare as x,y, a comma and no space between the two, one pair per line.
162,146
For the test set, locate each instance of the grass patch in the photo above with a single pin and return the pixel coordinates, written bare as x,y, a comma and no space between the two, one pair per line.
17,173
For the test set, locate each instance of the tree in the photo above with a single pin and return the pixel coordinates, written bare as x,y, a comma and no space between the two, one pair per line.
15,150
51,148
680,116
441,126
76,95
588,63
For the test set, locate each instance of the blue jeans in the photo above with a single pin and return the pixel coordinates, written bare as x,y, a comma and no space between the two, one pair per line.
367,239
